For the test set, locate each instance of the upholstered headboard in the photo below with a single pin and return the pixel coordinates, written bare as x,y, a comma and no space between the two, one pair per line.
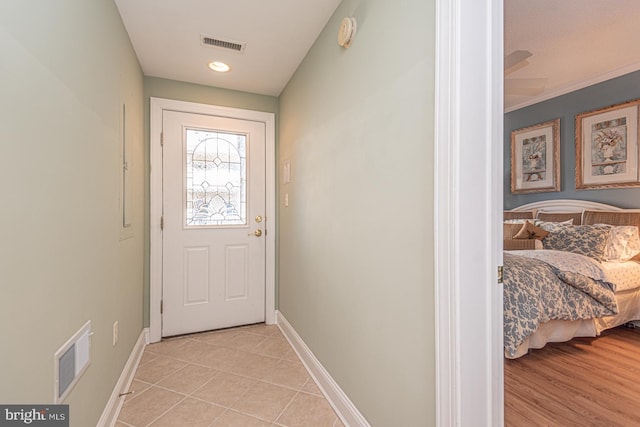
586,212
560,210
582,212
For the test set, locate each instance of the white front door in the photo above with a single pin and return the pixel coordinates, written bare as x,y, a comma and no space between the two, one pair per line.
213,202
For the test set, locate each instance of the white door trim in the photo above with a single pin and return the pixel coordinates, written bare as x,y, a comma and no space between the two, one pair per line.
468,202
157,106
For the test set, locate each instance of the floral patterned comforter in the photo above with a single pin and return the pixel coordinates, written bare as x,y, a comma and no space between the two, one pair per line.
536,291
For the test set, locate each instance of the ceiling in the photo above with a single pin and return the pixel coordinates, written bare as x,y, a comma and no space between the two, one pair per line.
575,43
278,33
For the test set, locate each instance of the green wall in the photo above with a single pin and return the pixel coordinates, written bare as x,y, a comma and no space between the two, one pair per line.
356,276
67,67
356,242
181,91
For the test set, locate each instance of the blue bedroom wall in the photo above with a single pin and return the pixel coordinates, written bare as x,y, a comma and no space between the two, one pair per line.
566,107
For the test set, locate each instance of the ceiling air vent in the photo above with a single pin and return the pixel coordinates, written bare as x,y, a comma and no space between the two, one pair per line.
222,44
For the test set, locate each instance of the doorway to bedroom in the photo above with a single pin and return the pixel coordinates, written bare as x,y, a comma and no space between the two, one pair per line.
529,102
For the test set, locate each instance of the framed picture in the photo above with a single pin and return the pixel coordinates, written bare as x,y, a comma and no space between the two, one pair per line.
607,147
535,158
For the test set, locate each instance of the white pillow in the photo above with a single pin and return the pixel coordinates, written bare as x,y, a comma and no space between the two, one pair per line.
623,243
517,221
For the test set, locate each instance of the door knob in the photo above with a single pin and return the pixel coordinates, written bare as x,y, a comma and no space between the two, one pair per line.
256,233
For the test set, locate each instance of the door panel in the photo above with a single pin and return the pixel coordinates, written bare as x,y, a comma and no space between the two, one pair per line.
196,275
213,189
237,267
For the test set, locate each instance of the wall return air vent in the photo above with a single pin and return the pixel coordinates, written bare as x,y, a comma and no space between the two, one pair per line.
70,362
232,45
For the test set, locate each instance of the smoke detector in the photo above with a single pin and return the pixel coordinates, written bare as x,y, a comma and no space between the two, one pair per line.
347,32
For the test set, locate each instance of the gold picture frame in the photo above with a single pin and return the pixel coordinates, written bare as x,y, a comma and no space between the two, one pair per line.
535,158
607,147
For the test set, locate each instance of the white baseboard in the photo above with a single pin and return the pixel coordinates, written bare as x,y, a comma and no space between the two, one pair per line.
114,405
337,398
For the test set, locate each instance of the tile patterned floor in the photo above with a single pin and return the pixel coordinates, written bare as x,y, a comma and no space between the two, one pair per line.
243,377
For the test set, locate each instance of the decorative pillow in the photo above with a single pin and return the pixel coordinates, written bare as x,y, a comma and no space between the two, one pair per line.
530,231
548,224
588,240
623,243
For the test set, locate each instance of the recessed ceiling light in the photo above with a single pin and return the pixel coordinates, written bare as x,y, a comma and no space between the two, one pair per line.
218,66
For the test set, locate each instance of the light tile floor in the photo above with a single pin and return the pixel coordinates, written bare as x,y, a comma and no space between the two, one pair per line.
243,377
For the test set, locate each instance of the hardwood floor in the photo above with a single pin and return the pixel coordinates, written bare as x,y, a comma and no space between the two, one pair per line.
584,382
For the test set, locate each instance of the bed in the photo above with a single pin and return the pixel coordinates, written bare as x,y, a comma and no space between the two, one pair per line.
561,296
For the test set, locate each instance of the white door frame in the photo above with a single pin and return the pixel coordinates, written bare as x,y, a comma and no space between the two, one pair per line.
468,212
158,105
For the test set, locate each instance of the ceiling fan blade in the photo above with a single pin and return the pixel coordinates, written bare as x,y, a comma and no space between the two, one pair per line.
525,91
515,57
528,87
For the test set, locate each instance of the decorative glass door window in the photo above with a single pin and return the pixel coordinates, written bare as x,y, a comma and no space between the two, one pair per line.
215,178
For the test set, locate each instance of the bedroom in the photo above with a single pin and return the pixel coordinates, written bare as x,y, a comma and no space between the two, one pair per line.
613,84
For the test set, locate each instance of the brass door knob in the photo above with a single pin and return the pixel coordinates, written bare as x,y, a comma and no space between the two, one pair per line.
256,233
